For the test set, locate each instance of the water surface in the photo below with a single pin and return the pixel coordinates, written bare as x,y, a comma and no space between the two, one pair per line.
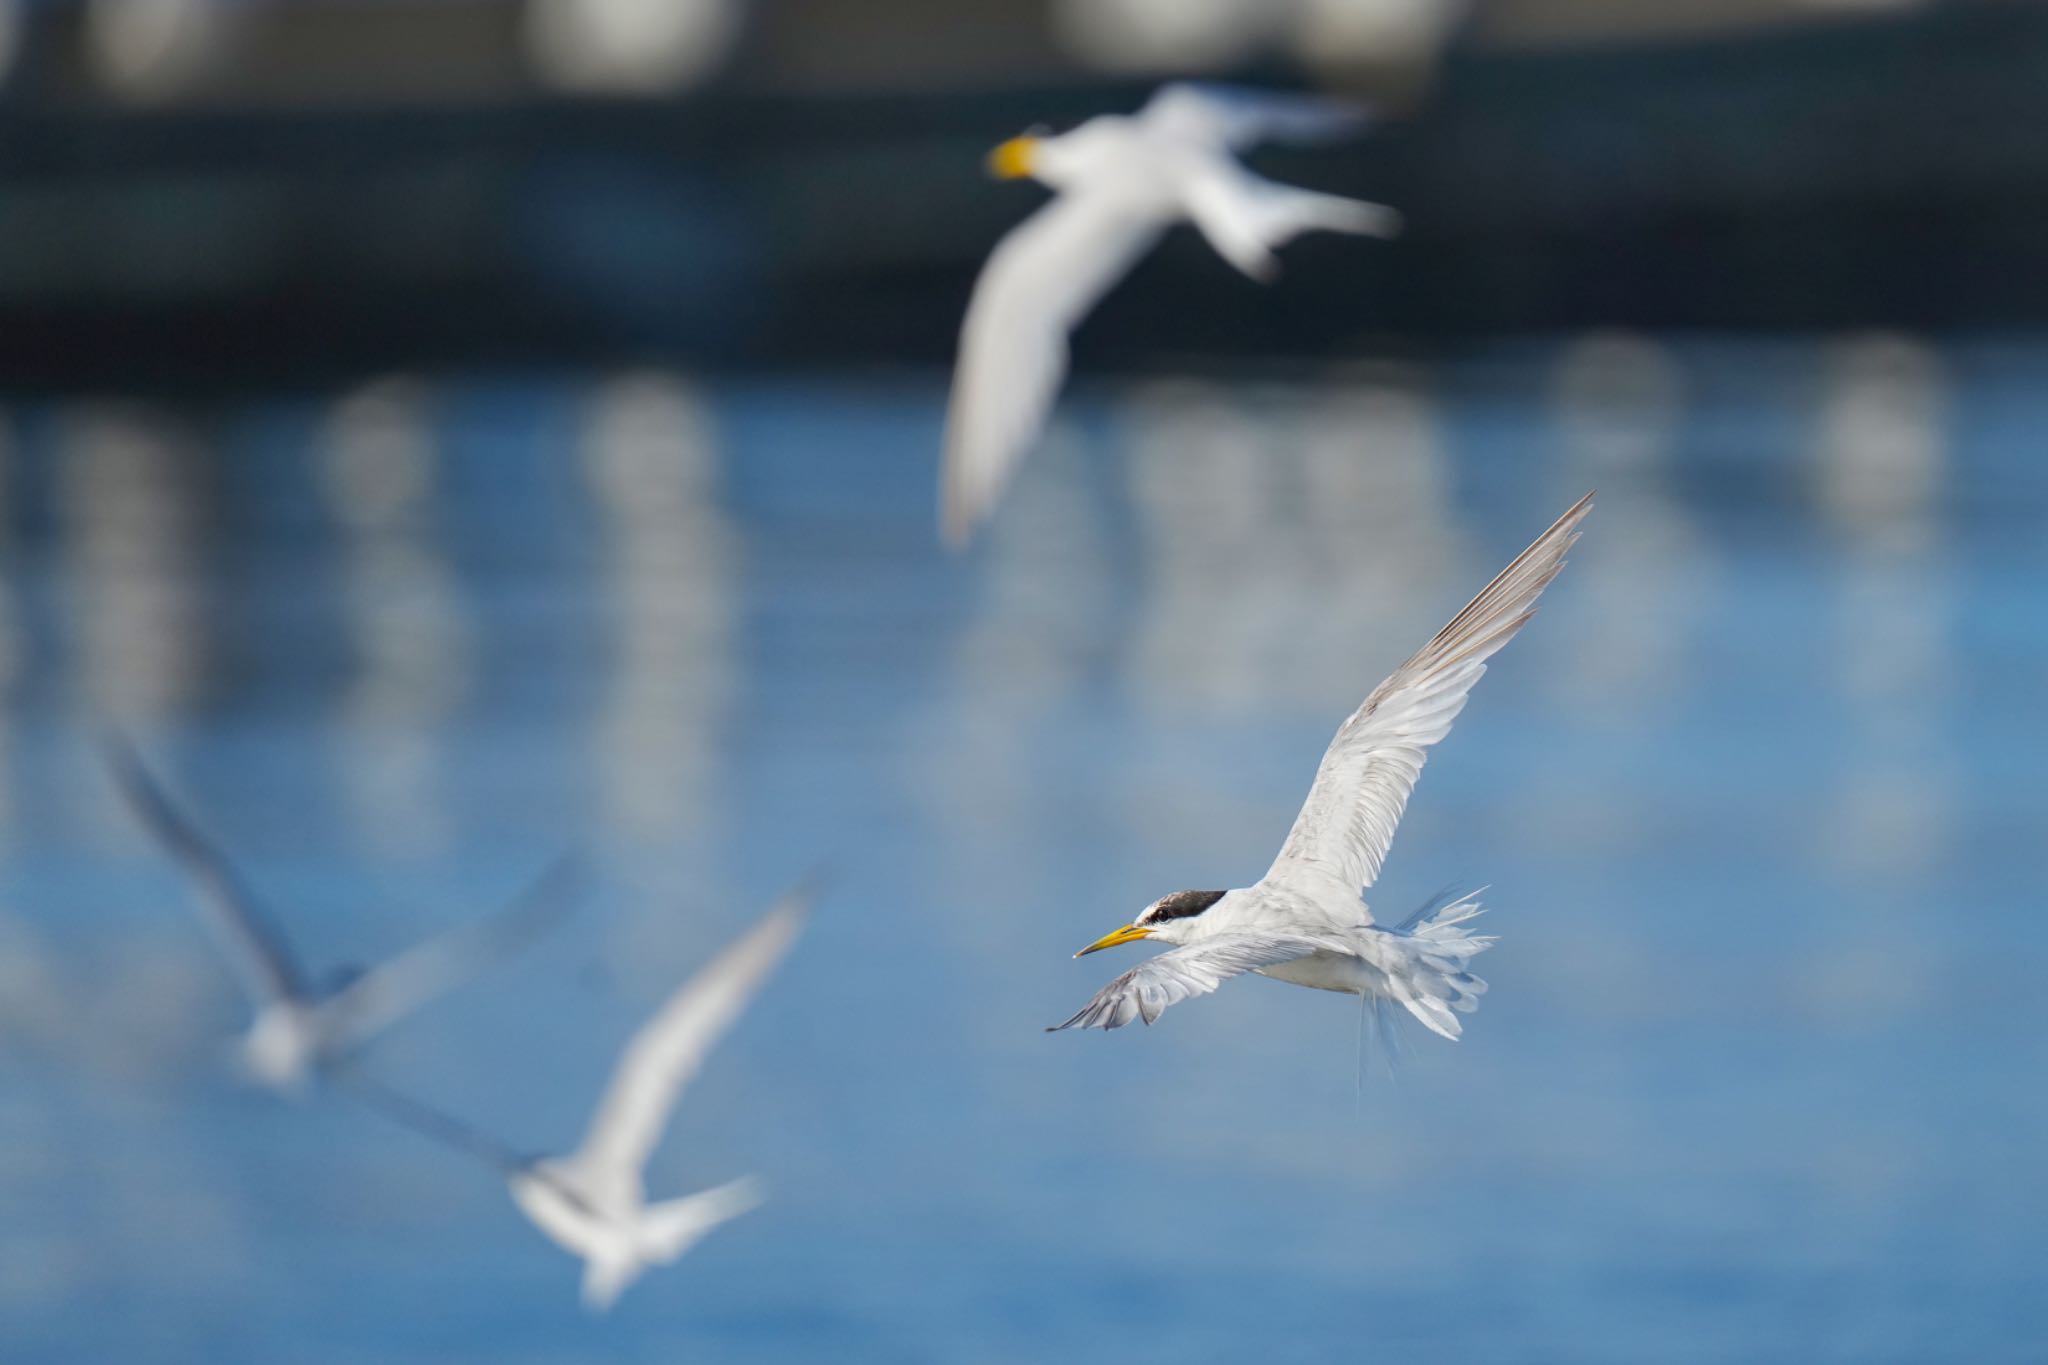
1757,799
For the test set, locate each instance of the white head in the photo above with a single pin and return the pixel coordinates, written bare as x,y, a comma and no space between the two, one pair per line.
1058,161
1170,919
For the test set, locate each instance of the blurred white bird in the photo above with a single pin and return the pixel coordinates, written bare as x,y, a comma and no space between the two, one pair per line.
298,1030
592,1202
1305,921
1122,181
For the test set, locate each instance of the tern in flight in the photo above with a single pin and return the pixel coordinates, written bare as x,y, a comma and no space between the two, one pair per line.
1306,921
1122,181
298,1030
592,1202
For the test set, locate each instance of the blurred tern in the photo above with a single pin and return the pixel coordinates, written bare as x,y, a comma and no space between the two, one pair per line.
592,1202
1122,181
1305,921
298,1030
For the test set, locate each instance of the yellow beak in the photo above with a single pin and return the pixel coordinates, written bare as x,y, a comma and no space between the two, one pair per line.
1012,160
1130,933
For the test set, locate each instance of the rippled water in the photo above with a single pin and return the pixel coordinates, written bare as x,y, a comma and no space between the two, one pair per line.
1758,798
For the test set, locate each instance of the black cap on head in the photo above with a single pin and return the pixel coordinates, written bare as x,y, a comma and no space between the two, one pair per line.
1179,905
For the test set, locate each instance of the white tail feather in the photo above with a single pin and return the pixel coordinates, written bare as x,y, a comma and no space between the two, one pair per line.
1300,210
1246,218
1428,962
605,1278
662,1232
670,1228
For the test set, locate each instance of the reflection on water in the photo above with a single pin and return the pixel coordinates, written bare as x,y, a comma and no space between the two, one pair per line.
404,614
1880,452
650,448
1240,499
1024,643
134,498
1758,798
1881,443
13,654
1618,403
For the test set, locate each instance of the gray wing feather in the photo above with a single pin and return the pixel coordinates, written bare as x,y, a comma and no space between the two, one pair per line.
388,992
1340,838
1039,281
1238,117
257,953
1150,988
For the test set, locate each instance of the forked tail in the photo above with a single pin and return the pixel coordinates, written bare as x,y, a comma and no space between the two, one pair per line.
1246,218
664,1232
1286,211
1430,959
669,1229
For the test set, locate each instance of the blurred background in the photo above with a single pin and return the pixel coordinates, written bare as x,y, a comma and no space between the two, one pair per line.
446,433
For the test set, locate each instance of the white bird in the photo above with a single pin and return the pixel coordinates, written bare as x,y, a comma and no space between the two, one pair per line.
592,1202
299,1031
1122,181
1305,921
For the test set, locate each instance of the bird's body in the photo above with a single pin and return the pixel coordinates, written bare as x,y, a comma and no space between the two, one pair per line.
285,1044
1122,181
1306,922
592,1202
296,1031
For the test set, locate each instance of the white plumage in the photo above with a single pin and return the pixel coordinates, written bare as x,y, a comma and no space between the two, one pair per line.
593,1202
1305,921
1122,181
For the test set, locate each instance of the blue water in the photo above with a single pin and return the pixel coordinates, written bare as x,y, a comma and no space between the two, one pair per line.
1758,798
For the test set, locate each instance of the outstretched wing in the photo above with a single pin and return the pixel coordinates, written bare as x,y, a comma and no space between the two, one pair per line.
1341,836
1146,990
253,947
667,1051
388,992
1040,280
1238,117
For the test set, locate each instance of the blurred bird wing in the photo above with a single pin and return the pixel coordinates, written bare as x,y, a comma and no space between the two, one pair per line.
258,955
1148,989
1040,280
1237,118
1341,836
667,1052
388,992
